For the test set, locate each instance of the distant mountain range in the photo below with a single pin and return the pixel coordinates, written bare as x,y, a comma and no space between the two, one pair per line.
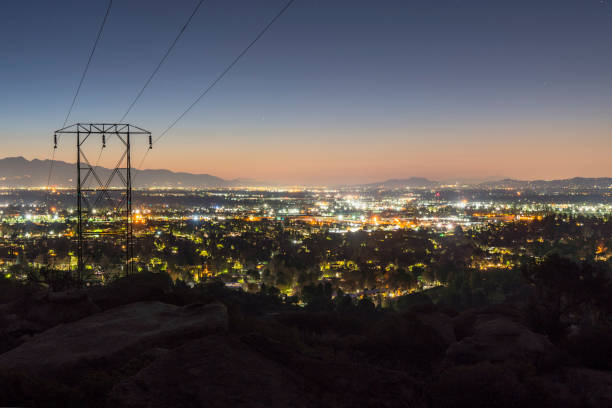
572,183
538,185
412,182
18,172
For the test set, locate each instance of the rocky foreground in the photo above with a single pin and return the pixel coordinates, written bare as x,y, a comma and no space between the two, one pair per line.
143,342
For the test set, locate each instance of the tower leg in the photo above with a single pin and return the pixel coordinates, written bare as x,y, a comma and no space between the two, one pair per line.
79,214
129,247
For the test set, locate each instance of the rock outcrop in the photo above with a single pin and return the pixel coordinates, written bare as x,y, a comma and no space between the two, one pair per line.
497,339
122,346
62,307
210,372
112,336
133,288
255,371
595,386
441,323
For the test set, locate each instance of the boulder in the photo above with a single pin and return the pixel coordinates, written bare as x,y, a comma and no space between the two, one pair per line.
441,323
62,307
341,383
572,387
211,372
594,387
478,385
37,312
464,322
255,371
15,330
499,338
145,286
108,338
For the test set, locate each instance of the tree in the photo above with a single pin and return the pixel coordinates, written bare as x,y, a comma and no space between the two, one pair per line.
318,297
567,292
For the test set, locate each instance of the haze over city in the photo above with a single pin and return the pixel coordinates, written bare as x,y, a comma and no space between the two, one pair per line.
334,92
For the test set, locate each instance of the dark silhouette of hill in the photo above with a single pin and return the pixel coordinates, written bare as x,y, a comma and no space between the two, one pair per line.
414,182
16,172
572,183
538,185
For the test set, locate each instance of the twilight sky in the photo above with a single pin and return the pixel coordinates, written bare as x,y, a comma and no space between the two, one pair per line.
336,91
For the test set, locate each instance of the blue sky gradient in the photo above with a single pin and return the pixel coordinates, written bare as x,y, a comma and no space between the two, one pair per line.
336,91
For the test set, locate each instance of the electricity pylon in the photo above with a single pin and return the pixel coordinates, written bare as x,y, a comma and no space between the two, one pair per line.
118,198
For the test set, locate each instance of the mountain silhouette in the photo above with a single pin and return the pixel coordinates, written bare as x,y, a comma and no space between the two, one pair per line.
16,172
537,185
405,182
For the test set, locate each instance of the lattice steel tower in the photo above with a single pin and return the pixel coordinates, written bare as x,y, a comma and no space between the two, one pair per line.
115,191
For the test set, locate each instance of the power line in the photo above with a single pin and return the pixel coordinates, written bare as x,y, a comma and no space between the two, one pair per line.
49,176
76,94
93,50
51,166
225,71
162,60
229,67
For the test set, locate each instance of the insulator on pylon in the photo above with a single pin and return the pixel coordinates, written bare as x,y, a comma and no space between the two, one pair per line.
103,141
55,141
150,142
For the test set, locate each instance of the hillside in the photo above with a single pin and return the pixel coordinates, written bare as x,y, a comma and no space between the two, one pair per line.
144,341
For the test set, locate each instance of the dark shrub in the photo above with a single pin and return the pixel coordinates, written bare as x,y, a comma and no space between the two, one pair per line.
414,299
